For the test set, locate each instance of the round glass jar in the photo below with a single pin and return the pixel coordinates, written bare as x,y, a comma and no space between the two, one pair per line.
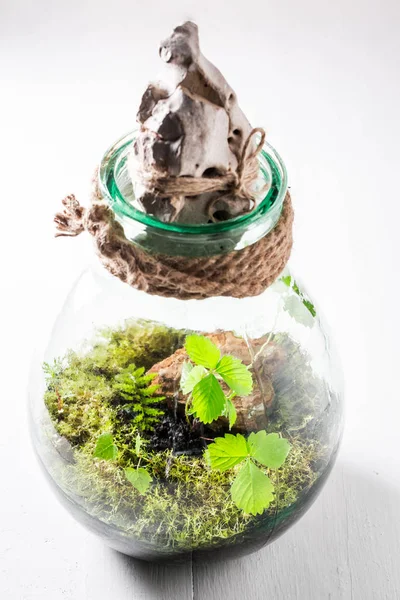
126,451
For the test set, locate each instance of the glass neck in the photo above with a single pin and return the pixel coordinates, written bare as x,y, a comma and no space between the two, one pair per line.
175,239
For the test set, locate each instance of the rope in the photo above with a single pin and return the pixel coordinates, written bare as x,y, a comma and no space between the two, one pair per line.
240,273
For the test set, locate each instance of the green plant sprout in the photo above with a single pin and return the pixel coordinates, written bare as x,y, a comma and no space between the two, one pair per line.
252,490
105,447
207,400
133,386
291,283
139,477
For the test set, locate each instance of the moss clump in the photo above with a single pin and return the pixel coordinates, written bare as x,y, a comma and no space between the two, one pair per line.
89,393
78,402
297,472
143,343
189,505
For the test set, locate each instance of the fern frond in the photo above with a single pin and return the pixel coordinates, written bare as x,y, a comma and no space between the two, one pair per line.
132,385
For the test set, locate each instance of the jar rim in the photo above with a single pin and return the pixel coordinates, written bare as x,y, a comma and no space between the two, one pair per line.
272,170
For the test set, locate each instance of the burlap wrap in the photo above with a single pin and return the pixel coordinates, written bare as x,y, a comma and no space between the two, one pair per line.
240,273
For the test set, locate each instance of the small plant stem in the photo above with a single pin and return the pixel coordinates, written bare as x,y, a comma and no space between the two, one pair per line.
188,401
59,401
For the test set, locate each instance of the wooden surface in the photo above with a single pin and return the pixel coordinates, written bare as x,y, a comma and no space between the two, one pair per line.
346,547
323,79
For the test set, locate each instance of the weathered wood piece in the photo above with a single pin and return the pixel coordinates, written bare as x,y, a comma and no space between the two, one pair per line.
190,126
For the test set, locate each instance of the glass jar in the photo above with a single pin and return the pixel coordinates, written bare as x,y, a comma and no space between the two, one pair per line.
117,425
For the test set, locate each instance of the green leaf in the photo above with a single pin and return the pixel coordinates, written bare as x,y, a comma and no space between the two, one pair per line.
296,309
139,478
310,306
105,447
236,375
208,399
151,390
268,449
228,451
252,490
202,351
287,280
230,412
303,298
186,368
194,376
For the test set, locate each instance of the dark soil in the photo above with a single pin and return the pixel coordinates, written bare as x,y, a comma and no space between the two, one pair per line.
174,432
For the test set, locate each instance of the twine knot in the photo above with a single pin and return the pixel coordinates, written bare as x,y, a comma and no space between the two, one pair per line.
69,223
239,182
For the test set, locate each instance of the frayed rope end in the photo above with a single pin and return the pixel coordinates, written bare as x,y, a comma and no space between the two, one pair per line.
69,223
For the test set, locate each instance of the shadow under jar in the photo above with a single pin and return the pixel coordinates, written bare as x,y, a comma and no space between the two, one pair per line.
119,439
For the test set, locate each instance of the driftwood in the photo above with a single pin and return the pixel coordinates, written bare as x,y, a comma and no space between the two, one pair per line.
190,126
252,410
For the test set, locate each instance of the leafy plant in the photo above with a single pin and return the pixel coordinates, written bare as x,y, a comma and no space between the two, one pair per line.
133,386
252,490
82,405
105,447
139,477
291,283
202,380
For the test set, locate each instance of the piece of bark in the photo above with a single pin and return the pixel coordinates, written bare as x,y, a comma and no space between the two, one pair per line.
252,410
190,125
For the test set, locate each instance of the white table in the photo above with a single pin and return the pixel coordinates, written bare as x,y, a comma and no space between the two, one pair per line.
323,78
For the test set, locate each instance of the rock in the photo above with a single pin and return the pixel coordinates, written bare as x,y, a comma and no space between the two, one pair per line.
252,410
190,125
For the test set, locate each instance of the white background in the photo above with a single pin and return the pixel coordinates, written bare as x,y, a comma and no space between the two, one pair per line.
323,78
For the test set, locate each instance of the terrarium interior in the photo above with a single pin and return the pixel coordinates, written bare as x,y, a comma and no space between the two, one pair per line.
179,500
172,425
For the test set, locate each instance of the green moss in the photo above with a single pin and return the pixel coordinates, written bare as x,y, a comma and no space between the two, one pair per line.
139,342
189,505
78,403
85,391
297,473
